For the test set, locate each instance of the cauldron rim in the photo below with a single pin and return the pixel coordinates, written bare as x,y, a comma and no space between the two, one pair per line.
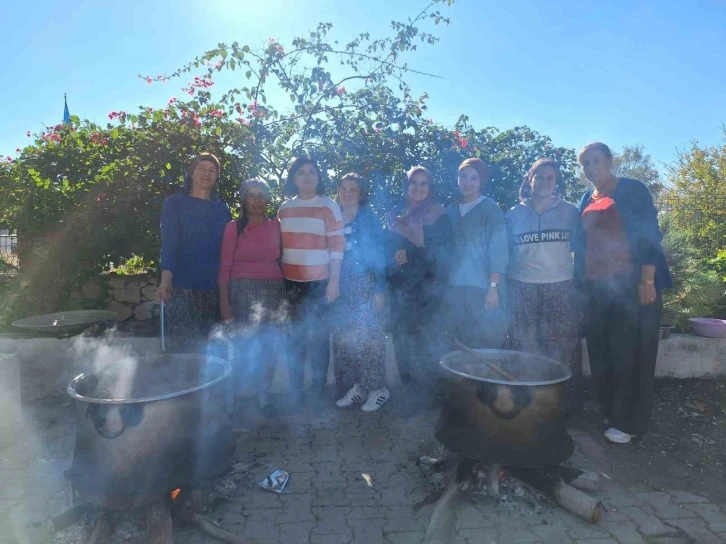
567,373
227,370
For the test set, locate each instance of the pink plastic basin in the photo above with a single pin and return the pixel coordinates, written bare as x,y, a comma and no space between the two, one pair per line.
706,326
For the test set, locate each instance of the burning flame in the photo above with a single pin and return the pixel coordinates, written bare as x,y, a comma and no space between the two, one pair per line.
174,494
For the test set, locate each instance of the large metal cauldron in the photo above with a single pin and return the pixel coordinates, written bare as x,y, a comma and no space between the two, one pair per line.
148,426
515,423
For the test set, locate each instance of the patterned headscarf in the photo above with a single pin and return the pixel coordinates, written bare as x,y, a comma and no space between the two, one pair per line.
410,220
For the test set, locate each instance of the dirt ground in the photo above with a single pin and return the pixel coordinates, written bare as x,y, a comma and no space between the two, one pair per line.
686,445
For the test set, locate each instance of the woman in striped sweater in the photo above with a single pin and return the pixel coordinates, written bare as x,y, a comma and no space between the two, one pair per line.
312,254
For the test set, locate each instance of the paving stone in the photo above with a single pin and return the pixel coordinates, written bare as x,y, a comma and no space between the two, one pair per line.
404,525
696,529
367,530
331,539
664,506
670,540
366,512
648,525
405,538
480,536
331,520
625,532
552,534
468,517
295,533
516,537
300,483
711,513
331,497
296,509
684,497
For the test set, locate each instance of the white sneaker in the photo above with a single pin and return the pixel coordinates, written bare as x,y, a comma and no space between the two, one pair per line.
376,400
618,437
353,396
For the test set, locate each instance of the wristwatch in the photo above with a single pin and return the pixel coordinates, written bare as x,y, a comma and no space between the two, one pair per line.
493,285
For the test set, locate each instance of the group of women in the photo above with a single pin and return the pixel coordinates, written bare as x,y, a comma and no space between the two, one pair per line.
534,279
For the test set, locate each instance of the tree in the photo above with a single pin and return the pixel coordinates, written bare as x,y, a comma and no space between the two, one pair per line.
697,197
635,163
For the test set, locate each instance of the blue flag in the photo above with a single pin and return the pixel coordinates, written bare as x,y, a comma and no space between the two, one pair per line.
66,113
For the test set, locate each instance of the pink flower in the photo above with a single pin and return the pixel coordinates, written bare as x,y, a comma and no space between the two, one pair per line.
243,121
172,100
17,150
378,129
197,122
280,49
150,110
9,159
463,142
149,80
28,134
341,90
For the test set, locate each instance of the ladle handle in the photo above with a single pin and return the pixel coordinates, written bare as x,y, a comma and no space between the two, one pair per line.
163,342
503,373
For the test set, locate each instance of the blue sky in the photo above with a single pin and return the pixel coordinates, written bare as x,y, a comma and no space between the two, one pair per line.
621,72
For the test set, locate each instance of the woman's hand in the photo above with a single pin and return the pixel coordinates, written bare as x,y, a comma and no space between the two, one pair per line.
647,293
491,301
379,301
163,292
332,291
400,257
225,313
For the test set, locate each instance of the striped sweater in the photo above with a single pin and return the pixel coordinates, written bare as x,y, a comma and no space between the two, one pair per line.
312,235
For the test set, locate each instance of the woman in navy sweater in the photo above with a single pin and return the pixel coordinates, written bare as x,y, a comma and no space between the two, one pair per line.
623,270
192,224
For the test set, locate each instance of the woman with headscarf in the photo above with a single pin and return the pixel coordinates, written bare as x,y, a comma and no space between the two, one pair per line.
623,270
479,261
359,340
419,246
252,288
543,230
192,223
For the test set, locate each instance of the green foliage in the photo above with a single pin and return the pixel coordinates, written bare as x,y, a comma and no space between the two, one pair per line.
697,288
134,265
697,197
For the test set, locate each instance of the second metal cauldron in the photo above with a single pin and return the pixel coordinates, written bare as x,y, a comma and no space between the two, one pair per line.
515,423
145,427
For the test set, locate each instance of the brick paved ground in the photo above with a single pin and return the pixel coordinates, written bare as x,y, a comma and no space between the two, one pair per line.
354,480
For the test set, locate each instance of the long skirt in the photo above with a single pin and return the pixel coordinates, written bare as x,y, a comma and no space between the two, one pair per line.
419,322
259,308
546,321
622,344
188,318
359,339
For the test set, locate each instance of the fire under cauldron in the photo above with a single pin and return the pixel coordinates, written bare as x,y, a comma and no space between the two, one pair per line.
149,426
518,423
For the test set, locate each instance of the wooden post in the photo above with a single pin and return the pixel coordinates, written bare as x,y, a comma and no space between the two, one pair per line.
158,523
101,530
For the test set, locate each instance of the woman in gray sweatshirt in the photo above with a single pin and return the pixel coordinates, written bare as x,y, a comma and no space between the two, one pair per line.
479,262
542,230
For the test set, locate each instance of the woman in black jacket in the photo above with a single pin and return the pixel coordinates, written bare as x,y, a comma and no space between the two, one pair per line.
419,245
623,271
359,338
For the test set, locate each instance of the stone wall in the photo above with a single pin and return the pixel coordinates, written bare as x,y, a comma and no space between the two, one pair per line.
132,297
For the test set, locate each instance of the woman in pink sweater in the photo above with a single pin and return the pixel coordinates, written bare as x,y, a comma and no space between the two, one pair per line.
252,289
